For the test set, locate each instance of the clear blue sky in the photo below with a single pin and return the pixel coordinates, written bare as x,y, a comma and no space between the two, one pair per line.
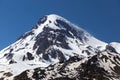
101,18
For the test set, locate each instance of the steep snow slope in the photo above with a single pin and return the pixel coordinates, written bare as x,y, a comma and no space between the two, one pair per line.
53,39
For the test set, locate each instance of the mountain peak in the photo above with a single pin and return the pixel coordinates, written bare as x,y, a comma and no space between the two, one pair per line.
57,22
51,17
49,21
54,17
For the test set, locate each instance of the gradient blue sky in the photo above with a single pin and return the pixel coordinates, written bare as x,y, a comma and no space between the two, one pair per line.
101,18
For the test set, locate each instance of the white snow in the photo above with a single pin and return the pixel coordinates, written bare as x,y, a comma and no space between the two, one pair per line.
116,46
96,43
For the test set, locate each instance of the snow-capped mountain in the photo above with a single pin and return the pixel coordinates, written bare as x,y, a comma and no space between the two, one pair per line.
53,41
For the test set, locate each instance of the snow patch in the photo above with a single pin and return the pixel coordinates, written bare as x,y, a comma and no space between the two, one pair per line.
116,46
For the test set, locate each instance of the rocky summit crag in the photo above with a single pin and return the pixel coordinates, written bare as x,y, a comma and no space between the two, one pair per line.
56,49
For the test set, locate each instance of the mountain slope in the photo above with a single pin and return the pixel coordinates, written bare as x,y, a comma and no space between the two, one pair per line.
53,40
102,66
